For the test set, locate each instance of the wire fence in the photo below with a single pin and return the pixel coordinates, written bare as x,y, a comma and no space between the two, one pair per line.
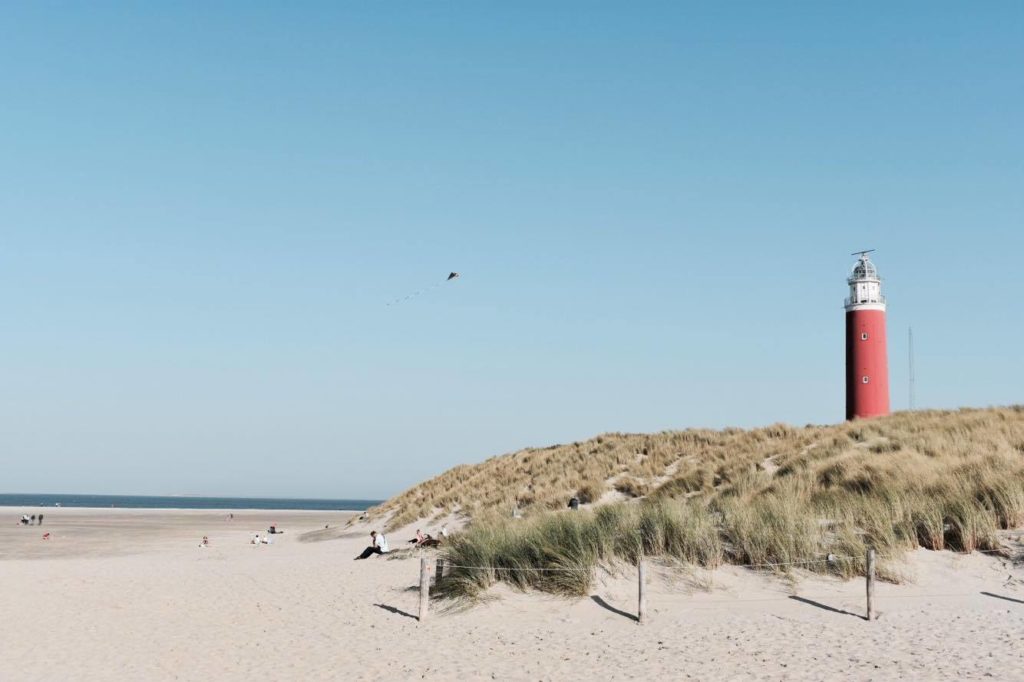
832,558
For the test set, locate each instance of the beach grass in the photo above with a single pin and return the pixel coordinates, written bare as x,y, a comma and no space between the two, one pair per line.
775,495
780,531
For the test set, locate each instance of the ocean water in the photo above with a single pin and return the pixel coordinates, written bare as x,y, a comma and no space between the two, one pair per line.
178,502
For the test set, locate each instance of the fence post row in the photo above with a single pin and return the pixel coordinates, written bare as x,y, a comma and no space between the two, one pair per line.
641,570
424,589
641,607
869,574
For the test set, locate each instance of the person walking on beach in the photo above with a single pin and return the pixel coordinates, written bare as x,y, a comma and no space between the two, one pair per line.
40,519
378,545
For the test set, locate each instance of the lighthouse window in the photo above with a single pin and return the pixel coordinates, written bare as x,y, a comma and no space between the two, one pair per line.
864,336
864,379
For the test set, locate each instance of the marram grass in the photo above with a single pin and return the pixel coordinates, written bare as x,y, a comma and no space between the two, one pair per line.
938,480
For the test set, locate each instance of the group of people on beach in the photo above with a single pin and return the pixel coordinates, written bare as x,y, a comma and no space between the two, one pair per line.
256,540
379,542
27,520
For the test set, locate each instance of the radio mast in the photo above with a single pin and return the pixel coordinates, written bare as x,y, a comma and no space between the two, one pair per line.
910,363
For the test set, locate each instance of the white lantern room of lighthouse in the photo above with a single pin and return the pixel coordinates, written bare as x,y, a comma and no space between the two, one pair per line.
865,286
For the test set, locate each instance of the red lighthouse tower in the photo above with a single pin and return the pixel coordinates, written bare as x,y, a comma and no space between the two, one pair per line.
867,366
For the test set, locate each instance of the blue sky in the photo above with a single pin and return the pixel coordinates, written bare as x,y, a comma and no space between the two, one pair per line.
204,210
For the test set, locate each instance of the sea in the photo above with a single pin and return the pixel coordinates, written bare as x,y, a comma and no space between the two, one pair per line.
180,502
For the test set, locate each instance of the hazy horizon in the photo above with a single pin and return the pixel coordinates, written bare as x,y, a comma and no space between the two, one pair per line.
208,209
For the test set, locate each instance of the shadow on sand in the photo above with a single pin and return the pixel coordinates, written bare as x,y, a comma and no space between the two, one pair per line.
826,607
605,605
999,596
392,609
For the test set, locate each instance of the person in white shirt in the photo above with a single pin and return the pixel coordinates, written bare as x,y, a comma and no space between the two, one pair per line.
378,545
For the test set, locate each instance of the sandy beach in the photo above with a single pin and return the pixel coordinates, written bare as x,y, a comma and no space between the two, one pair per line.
129,594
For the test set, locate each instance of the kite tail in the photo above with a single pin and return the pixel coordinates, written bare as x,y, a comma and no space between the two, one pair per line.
420,292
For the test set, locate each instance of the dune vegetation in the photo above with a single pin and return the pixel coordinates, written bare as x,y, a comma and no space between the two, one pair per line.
774,495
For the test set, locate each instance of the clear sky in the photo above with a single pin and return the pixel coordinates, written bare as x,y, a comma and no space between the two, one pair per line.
205,208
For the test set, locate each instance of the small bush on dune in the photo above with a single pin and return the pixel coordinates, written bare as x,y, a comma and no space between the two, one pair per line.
631,487
590,491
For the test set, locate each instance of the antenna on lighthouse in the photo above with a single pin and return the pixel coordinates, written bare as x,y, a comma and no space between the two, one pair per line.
861,253
910,357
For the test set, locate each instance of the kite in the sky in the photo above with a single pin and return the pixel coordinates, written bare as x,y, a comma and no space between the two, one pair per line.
450,277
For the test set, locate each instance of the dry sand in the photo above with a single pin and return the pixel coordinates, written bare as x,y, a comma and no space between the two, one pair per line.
128,594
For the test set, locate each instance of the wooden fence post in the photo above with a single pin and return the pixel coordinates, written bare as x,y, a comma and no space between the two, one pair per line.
438,572
869,574
424,588
641,607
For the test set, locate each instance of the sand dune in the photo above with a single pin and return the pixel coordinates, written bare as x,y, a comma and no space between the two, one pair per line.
128,594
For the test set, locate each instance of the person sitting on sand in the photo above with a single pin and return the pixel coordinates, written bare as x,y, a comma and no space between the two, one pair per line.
205,542
46,536
429,541
378,545
418,540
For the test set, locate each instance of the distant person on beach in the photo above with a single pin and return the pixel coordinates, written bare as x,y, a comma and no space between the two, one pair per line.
378,545
40,519
205,542
24,519
418,539
33,521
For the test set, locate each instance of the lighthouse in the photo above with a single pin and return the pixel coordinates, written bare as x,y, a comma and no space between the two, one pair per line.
867,366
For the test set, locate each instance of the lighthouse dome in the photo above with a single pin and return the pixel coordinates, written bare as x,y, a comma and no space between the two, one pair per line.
864,269
865,285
